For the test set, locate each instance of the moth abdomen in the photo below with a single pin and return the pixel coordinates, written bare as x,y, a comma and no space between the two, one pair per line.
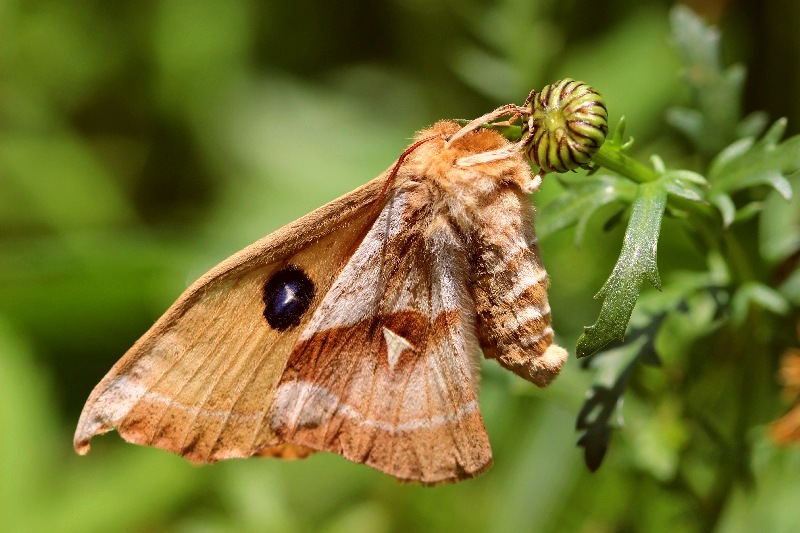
514,325
510,290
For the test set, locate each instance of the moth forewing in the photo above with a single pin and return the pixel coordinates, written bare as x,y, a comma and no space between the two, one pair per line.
402,397
170,370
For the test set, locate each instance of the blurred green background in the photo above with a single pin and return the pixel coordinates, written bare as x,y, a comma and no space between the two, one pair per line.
143,142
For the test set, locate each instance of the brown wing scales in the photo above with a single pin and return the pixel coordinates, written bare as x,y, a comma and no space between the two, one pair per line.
393,390
200,382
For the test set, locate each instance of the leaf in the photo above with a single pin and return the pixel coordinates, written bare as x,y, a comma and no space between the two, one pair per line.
748,163
726,207
732,152
790,288
779,226
636,263
685,184
754,293
601,412
713,120
594,420
581,201
752,125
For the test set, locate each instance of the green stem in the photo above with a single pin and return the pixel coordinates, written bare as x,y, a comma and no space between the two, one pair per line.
612,157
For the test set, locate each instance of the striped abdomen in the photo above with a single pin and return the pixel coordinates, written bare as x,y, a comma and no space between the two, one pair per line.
510,291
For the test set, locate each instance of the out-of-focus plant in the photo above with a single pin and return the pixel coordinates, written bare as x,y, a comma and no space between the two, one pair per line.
719,330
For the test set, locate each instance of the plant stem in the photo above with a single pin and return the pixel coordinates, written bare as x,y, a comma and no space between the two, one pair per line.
612,157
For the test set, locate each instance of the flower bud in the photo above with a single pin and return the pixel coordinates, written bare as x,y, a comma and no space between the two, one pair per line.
567,124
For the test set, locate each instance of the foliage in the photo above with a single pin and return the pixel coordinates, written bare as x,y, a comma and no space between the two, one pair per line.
739,282
141,144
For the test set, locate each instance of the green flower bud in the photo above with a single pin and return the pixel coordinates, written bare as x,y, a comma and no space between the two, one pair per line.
568,122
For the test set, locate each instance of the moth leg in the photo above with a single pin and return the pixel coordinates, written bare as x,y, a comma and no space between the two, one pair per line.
508,109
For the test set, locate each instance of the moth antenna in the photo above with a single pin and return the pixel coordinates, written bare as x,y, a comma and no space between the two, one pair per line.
376,205
395,170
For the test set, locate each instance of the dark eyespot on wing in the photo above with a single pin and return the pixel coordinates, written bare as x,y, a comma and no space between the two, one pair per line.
287,295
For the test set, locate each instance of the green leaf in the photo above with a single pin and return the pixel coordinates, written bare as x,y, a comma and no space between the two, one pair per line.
747,163
726,207
602,408
581,201
732,152
752,125
685,184
601,411
757,294
779,226
636,263
790,288
712,122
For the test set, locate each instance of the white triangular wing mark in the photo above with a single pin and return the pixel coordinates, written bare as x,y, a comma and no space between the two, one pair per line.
395,345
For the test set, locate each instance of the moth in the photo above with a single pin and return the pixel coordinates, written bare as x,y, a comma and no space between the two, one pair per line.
356,329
